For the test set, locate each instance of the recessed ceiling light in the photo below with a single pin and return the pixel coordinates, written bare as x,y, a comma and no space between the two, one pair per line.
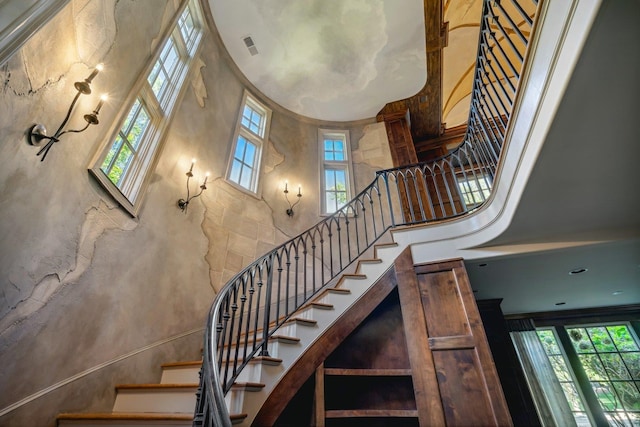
578,271
560,303
617,293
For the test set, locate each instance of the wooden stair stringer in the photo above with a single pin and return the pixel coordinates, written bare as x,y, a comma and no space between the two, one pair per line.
341,300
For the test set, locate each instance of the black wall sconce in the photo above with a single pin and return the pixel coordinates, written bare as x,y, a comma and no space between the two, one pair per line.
183,204
38,132
286,193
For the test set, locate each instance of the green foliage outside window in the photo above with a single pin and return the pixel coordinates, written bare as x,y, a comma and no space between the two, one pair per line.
610,357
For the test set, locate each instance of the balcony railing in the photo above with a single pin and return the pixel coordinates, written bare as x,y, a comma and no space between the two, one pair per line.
265,294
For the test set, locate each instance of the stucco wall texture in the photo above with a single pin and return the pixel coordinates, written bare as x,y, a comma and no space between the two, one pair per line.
91,297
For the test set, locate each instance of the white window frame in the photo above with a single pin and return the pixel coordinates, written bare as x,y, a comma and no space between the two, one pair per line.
130,190
345,165
257,139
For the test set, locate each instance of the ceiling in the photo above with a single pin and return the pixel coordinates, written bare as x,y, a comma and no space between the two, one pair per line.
328,59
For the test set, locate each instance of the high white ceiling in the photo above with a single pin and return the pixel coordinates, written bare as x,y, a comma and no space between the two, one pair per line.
334,60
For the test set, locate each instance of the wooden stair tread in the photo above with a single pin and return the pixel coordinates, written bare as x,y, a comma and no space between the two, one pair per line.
182,364
302,321
155,386
238,417
354,276
267,360
385,245
126,416
338,290
321,305
284,338
367,372
371,413
248,386
370,261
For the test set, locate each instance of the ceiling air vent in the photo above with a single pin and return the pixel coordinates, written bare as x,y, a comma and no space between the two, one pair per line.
248,41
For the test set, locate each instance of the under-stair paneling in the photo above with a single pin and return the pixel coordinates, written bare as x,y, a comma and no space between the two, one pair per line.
448,337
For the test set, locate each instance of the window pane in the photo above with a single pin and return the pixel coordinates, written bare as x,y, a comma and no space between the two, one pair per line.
621,338
334,150
549,342
601,339
110,155
632,361
252,120
628,394
236,167
249,155
122,163
139,128
335,189
187,27
164,70
575,403
244,163
580,340
133,113
245,177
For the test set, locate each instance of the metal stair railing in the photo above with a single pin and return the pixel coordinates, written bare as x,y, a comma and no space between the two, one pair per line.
259,299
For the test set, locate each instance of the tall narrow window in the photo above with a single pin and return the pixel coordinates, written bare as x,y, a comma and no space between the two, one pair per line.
335,170
124,164
246,153
565,376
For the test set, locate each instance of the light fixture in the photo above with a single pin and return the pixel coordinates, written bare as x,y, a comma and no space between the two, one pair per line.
184,203
38,132
578,271
286,193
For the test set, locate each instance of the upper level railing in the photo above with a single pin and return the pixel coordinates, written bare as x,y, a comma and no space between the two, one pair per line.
260,298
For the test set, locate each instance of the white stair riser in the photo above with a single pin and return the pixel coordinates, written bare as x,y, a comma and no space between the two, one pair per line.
235,401
310,312
175,400
181,375
334,298
372,269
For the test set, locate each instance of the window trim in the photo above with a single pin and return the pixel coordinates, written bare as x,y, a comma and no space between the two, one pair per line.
259,141
347,164
160,121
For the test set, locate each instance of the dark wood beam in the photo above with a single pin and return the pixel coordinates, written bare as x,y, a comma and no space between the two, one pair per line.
425,107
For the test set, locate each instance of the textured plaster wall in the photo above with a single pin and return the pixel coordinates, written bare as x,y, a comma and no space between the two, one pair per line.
89,296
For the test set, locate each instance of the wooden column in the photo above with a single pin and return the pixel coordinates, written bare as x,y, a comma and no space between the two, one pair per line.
452,364
398,125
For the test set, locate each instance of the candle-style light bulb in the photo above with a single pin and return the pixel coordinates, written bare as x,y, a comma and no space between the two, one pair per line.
94,73
206,177
286,190
193,162
103,98
299,190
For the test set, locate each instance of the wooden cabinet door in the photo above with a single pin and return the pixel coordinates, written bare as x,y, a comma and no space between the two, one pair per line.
453,371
